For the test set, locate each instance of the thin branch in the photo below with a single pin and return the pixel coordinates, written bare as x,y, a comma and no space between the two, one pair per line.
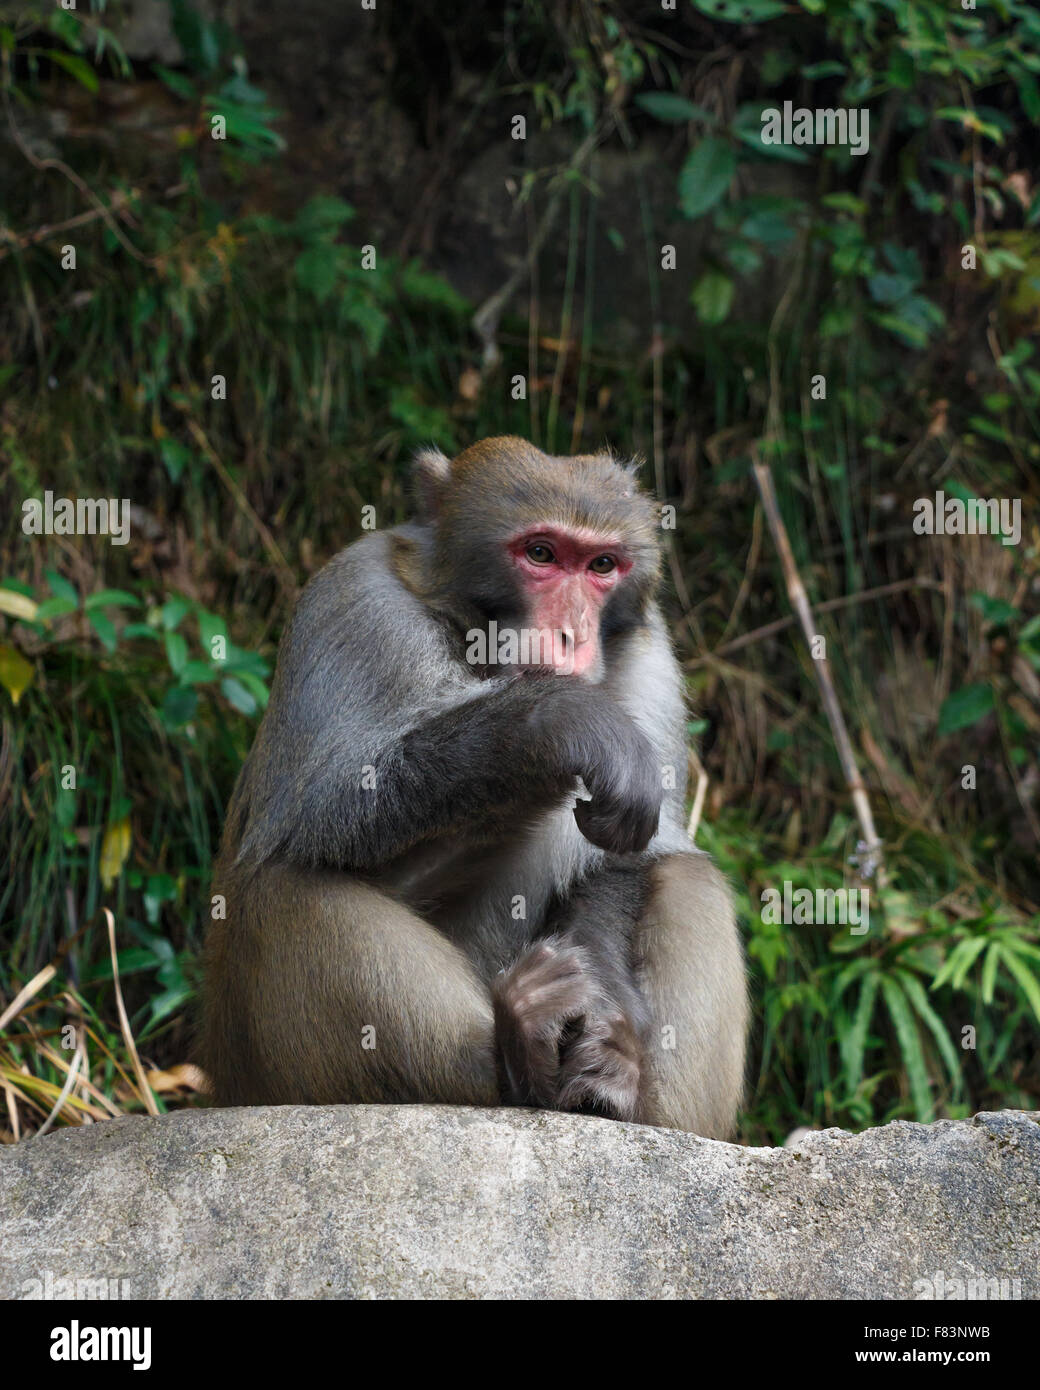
758,634
871,850
59,164
286,576
119,201
485,320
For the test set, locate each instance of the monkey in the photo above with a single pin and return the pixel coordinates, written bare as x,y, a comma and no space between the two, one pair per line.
455,867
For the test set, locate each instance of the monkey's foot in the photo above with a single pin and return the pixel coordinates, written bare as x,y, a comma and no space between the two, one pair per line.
600,1068
535,1001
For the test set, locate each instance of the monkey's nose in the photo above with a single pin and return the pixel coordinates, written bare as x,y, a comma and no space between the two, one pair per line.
572,654
563,649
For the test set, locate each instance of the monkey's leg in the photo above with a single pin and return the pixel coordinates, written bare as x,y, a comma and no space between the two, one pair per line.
570,1017
636,1006
692,976
323,990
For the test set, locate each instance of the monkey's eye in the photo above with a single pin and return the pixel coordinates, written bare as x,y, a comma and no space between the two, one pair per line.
603,564
540,554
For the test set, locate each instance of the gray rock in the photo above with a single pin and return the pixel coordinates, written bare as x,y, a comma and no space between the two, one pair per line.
428,1202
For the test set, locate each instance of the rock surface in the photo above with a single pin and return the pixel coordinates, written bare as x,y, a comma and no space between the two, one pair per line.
429,1202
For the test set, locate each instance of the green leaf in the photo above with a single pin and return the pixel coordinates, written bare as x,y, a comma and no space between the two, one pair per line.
753,139
854,1042
429,288
197,673
889,289
965,707
706,175
995,610
111,598
237,695
176,652
989,972
68,27
322,215
210,625
370,319
960,960
131,959
1029,983
915,993
162,1005
317,271
239,661
671,107
163,887
741,11
61,588
179,706
105,630
175,457
173,610
968,120
255,686
1029,94
76,67
909,1047
712,297
180,85
55,608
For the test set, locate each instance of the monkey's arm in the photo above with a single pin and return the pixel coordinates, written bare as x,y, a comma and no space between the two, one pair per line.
480,767
379,737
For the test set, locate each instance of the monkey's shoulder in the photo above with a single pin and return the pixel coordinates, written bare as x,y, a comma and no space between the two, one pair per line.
360,593
361,642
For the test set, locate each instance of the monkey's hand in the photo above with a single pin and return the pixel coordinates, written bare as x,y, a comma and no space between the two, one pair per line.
576,730
562,1045
600,1066
535,1001
616,762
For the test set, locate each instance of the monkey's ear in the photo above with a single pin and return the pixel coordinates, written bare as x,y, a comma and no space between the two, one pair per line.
431,471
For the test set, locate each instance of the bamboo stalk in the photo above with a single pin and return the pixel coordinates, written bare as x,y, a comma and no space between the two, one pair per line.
871,850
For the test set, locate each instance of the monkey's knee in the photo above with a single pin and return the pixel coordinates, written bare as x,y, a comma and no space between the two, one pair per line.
692,973
323,991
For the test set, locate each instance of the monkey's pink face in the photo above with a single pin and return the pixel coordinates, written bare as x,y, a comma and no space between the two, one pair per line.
566,577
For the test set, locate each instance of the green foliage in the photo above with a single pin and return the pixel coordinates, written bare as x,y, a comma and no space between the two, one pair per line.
913,61
797,263
861,1030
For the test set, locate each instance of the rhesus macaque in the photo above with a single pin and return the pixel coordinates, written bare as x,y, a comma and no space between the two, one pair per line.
455,866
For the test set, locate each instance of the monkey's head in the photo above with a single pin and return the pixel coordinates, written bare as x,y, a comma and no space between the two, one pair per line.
560,551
